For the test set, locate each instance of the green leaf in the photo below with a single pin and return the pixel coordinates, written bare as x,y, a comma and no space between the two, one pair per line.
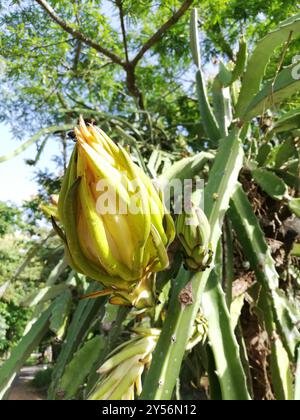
297,376
241,60
287,122
133,143
194,38
82,320
57,271
251,237
165,367
270,183
236,309
215,393
60,313
43,295
290,179
222,106
22,351
41,299
206,113
273,93
3,288
225,75
282,378
263,154
296,250
228,77
154,161
287,150
259,59
281,371
223,342
286,318
294,205
222,181
186,168
207,117
80,367
30,254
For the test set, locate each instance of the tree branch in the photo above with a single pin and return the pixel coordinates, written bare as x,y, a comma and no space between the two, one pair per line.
121,13
77,55
79,35
129,66
151,41
132,86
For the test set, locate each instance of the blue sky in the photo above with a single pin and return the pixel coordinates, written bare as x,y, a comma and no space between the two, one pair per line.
17,178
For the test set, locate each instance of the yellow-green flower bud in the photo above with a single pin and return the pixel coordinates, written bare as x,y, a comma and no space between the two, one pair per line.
193,231
121,374
115,224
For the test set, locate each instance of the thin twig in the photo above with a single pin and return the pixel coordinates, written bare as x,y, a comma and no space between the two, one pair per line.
167,25
121,13
37,47
129,66
77,55
79,35
79,102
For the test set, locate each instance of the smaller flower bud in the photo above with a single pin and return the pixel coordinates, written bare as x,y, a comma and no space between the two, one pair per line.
193,231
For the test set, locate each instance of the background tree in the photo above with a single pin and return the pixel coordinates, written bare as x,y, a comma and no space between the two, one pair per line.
122,58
